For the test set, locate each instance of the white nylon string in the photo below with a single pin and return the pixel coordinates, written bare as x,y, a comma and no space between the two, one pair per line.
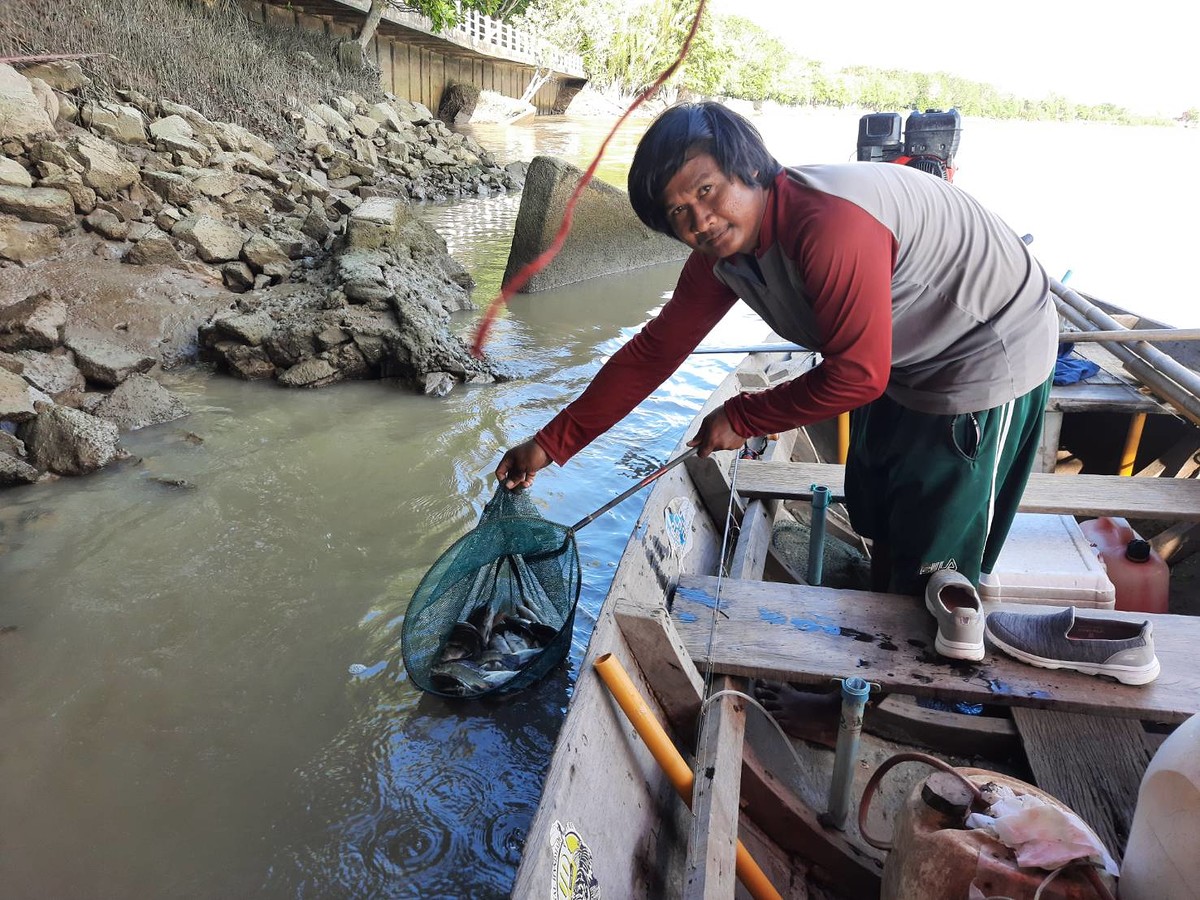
712,628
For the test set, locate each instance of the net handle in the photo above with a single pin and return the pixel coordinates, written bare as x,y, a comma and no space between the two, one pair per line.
652,477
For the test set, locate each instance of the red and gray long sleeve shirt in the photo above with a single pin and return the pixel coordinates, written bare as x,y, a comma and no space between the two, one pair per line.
904,283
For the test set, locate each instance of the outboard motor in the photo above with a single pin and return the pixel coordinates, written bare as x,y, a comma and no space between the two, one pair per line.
929,140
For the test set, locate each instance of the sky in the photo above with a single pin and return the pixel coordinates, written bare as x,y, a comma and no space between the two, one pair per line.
1140,55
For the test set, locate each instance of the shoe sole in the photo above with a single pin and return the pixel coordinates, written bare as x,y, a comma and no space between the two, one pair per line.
1124,674
958,649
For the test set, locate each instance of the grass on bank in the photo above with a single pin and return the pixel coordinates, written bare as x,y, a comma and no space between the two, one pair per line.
203,53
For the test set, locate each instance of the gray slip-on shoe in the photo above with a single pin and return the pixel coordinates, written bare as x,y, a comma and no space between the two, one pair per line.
953,601
1089,644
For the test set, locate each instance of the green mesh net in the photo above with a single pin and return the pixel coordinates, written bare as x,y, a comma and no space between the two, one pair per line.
494,614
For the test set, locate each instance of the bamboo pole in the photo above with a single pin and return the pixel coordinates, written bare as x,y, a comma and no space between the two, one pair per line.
614,676
1151,335
1175,383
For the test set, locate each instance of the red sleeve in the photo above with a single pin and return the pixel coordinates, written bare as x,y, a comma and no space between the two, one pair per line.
646,361
845,258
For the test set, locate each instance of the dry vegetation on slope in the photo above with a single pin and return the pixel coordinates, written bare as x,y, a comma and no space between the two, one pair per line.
203,53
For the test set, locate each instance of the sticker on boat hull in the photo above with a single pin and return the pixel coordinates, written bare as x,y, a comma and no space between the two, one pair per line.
573,878
679,515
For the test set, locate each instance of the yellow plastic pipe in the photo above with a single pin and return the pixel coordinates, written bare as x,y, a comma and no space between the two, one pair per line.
843,448
1133,438
613,674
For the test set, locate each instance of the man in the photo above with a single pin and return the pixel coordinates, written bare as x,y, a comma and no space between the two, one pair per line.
934,322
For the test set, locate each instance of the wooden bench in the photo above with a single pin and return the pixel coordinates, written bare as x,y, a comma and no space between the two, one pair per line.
1172,499
812,635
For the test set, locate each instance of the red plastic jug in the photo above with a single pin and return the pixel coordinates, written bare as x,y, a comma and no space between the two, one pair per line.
1140,576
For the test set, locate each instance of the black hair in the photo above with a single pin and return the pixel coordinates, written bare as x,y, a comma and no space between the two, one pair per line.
675,135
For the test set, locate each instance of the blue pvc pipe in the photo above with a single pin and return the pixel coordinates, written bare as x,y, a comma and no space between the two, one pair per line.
854,700
816,533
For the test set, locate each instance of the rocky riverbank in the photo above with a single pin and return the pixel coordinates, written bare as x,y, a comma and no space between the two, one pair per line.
137,234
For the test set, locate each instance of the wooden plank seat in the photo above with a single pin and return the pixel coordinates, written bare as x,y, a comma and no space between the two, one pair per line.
812,635
1086,396
1173,499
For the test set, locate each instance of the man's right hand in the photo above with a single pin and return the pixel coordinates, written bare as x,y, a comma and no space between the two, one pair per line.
521,463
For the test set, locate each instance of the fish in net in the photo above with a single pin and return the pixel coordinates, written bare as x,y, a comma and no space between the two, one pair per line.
495,612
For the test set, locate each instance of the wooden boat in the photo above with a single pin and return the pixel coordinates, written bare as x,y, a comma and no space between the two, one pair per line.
609,816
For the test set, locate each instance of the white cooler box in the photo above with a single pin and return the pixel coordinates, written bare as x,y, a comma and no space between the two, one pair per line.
1047,559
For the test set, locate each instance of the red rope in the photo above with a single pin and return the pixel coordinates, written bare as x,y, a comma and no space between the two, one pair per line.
543,259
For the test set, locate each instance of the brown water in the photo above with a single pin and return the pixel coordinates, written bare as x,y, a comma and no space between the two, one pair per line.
203,695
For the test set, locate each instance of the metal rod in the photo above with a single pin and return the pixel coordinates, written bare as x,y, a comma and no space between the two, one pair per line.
749,348
854,700
1087,335
630,699
652,477
816,533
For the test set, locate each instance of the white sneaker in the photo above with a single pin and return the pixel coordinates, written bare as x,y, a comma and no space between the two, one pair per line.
953,601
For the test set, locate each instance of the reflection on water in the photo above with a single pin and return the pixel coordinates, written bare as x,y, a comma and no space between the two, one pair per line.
203,695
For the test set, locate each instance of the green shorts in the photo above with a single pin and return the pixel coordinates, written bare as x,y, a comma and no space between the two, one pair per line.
940,491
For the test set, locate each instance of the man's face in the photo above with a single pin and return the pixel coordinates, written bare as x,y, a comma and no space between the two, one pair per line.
712,213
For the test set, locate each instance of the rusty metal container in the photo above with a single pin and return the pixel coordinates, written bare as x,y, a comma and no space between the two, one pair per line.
934,858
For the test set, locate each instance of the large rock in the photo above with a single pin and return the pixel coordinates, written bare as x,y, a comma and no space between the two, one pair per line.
104,171
49,206
16,401
154,249
235,137
16,471
140,401
34,323
175,128
69,441
310,373
26,242
374,223
46,96
21,113
116,121
333,119
13,174
105,363
607,237
266,256
53,374
72,182
214,241
172,187
248,363
62,75
249,328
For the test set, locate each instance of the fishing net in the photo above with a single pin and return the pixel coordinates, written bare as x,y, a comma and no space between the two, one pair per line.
494,613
